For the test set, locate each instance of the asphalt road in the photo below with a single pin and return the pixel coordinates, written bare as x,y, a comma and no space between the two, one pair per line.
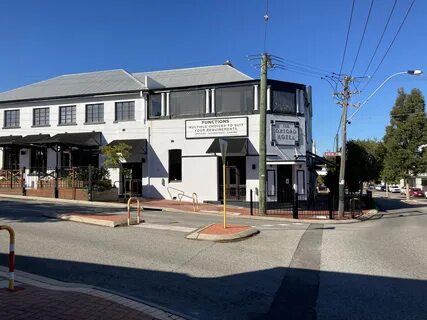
371,270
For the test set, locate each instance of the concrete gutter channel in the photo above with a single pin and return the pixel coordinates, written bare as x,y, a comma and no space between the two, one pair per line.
109,223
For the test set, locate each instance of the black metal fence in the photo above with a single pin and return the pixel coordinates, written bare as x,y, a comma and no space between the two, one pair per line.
312,206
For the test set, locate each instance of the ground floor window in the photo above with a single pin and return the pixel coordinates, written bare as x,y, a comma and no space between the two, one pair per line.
175,165
10,158
38,161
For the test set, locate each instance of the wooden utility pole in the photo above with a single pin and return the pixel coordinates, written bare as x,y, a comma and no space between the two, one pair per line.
341,182
262,134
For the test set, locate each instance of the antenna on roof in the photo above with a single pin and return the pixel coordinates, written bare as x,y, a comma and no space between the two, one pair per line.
228,63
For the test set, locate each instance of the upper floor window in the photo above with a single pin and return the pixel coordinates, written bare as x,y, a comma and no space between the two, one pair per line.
187,103
155,105
41,117
95,113
234,99
67,115
125,111
11,118
283,102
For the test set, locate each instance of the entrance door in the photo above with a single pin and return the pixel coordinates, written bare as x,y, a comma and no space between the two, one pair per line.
131,179
284,183
235,183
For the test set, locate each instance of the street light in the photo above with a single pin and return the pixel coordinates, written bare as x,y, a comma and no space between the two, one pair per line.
415,72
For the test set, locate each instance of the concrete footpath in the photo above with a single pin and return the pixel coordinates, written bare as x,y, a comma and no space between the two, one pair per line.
38,297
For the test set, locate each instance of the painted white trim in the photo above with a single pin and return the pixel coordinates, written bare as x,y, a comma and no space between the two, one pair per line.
167,103
162,104
256,99
268,98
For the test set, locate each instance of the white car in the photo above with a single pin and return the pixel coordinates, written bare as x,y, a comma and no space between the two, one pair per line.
394,189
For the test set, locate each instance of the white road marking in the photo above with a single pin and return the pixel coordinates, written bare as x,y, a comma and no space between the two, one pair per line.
283,224
165,227
267,225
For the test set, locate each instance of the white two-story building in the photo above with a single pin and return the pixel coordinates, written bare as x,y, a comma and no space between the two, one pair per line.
172,119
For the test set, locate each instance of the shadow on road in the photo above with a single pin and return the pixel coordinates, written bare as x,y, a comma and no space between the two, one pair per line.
34,211
393,204
243,296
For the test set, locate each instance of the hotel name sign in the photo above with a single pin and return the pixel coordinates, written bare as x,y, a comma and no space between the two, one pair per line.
216,128
285,133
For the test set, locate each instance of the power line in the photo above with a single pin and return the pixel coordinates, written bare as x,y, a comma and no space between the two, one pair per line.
363,36
348,34
381,38
391,44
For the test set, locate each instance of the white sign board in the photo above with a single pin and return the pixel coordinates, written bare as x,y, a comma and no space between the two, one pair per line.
285,133
216,128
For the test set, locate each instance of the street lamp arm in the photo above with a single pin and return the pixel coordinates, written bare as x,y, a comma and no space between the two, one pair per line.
411,72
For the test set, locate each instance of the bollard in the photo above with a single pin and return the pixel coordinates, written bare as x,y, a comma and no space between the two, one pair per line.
11,256
138,217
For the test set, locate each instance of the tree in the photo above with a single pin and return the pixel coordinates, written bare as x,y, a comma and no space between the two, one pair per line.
116,154
407,131
377,150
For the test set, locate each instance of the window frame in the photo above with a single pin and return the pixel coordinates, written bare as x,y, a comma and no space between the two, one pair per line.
150,98
46,117
99,107
116,111
218,98
73,121
7,121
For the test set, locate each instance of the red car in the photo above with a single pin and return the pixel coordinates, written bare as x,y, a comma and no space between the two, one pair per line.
416,192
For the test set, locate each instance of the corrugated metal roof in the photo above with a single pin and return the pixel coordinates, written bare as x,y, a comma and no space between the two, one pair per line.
193,76
99,82
114,81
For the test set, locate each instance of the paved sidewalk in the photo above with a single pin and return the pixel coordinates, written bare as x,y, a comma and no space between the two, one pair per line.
42,298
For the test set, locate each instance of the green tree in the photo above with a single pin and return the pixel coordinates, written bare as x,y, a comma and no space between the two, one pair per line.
116,154
407,130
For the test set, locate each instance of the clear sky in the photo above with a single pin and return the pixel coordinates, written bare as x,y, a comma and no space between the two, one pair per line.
43,39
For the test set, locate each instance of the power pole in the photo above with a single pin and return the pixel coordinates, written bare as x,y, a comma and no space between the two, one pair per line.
265,61
341,187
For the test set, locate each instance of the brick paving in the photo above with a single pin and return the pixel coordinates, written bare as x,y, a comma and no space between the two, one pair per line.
39,303
219,229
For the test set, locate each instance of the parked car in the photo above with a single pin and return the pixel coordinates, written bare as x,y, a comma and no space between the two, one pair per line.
416,192
380,188
394,189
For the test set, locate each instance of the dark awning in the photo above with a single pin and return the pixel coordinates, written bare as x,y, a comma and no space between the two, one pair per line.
235,146
79,139
316,160
8,141
30,140
139,148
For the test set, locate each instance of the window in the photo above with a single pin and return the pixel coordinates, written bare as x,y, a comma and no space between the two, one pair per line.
186,103
125,111
155,106
38,161
234,99
11,119
10,158
41,117
95,113
175,165
67,115
284,102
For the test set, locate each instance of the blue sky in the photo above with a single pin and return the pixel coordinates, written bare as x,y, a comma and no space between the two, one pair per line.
42,39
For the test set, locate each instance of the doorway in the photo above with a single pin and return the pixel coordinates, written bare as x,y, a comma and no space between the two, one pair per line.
131,179
235,184
284,183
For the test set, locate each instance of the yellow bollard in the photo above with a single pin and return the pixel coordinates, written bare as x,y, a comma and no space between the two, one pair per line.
11,256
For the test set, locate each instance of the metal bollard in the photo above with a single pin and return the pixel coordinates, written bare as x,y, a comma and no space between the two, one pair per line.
11,256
